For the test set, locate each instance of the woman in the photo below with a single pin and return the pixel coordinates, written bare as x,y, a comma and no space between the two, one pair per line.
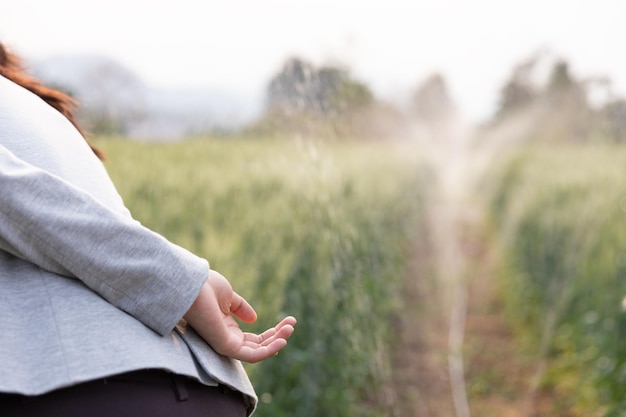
91,302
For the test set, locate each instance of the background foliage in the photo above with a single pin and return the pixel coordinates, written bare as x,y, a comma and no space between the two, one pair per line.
314,230
319,225
560,214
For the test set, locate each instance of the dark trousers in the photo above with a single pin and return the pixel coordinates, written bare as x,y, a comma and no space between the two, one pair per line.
136,394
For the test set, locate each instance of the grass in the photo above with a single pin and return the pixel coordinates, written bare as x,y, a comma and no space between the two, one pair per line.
560,214
312,229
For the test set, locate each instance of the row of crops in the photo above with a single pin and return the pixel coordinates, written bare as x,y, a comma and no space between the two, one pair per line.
559,214
318,231
321,231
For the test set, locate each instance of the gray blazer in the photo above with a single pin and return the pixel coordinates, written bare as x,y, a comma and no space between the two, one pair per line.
85,290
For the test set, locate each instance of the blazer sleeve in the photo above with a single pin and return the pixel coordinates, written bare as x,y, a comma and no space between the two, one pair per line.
49,222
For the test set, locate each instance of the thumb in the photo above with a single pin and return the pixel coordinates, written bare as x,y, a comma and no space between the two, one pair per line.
242,309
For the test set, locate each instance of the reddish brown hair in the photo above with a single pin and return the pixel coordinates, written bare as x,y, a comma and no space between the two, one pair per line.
11,67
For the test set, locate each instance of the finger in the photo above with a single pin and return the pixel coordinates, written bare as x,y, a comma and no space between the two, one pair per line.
284,329
268,337
263,337
287,321
285,332
255,354
242,309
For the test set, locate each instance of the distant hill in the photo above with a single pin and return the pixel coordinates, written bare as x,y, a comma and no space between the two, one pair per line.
114,99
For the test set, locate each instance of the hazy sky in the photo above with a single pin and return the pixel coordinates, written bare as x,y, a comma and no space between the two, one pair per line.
237,45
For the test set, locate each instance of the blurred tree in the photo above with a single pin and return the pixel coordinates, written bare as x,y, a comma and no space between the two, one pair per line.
432,102
301,87
564,89
561,79
352,96
110,96
320,101
569,116
613,117
519,91
113,98
556,108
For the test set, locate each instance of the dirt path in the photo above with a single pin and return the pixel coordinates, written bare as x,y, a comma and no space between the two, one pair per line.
456,356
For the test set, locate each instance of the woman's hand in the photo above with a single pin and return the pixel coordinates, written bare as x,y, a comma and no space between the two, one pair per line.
211,315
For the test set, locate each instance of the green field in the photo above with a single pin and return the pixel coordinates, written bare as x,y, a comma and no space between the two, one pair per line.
560,214
322,231
316,230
